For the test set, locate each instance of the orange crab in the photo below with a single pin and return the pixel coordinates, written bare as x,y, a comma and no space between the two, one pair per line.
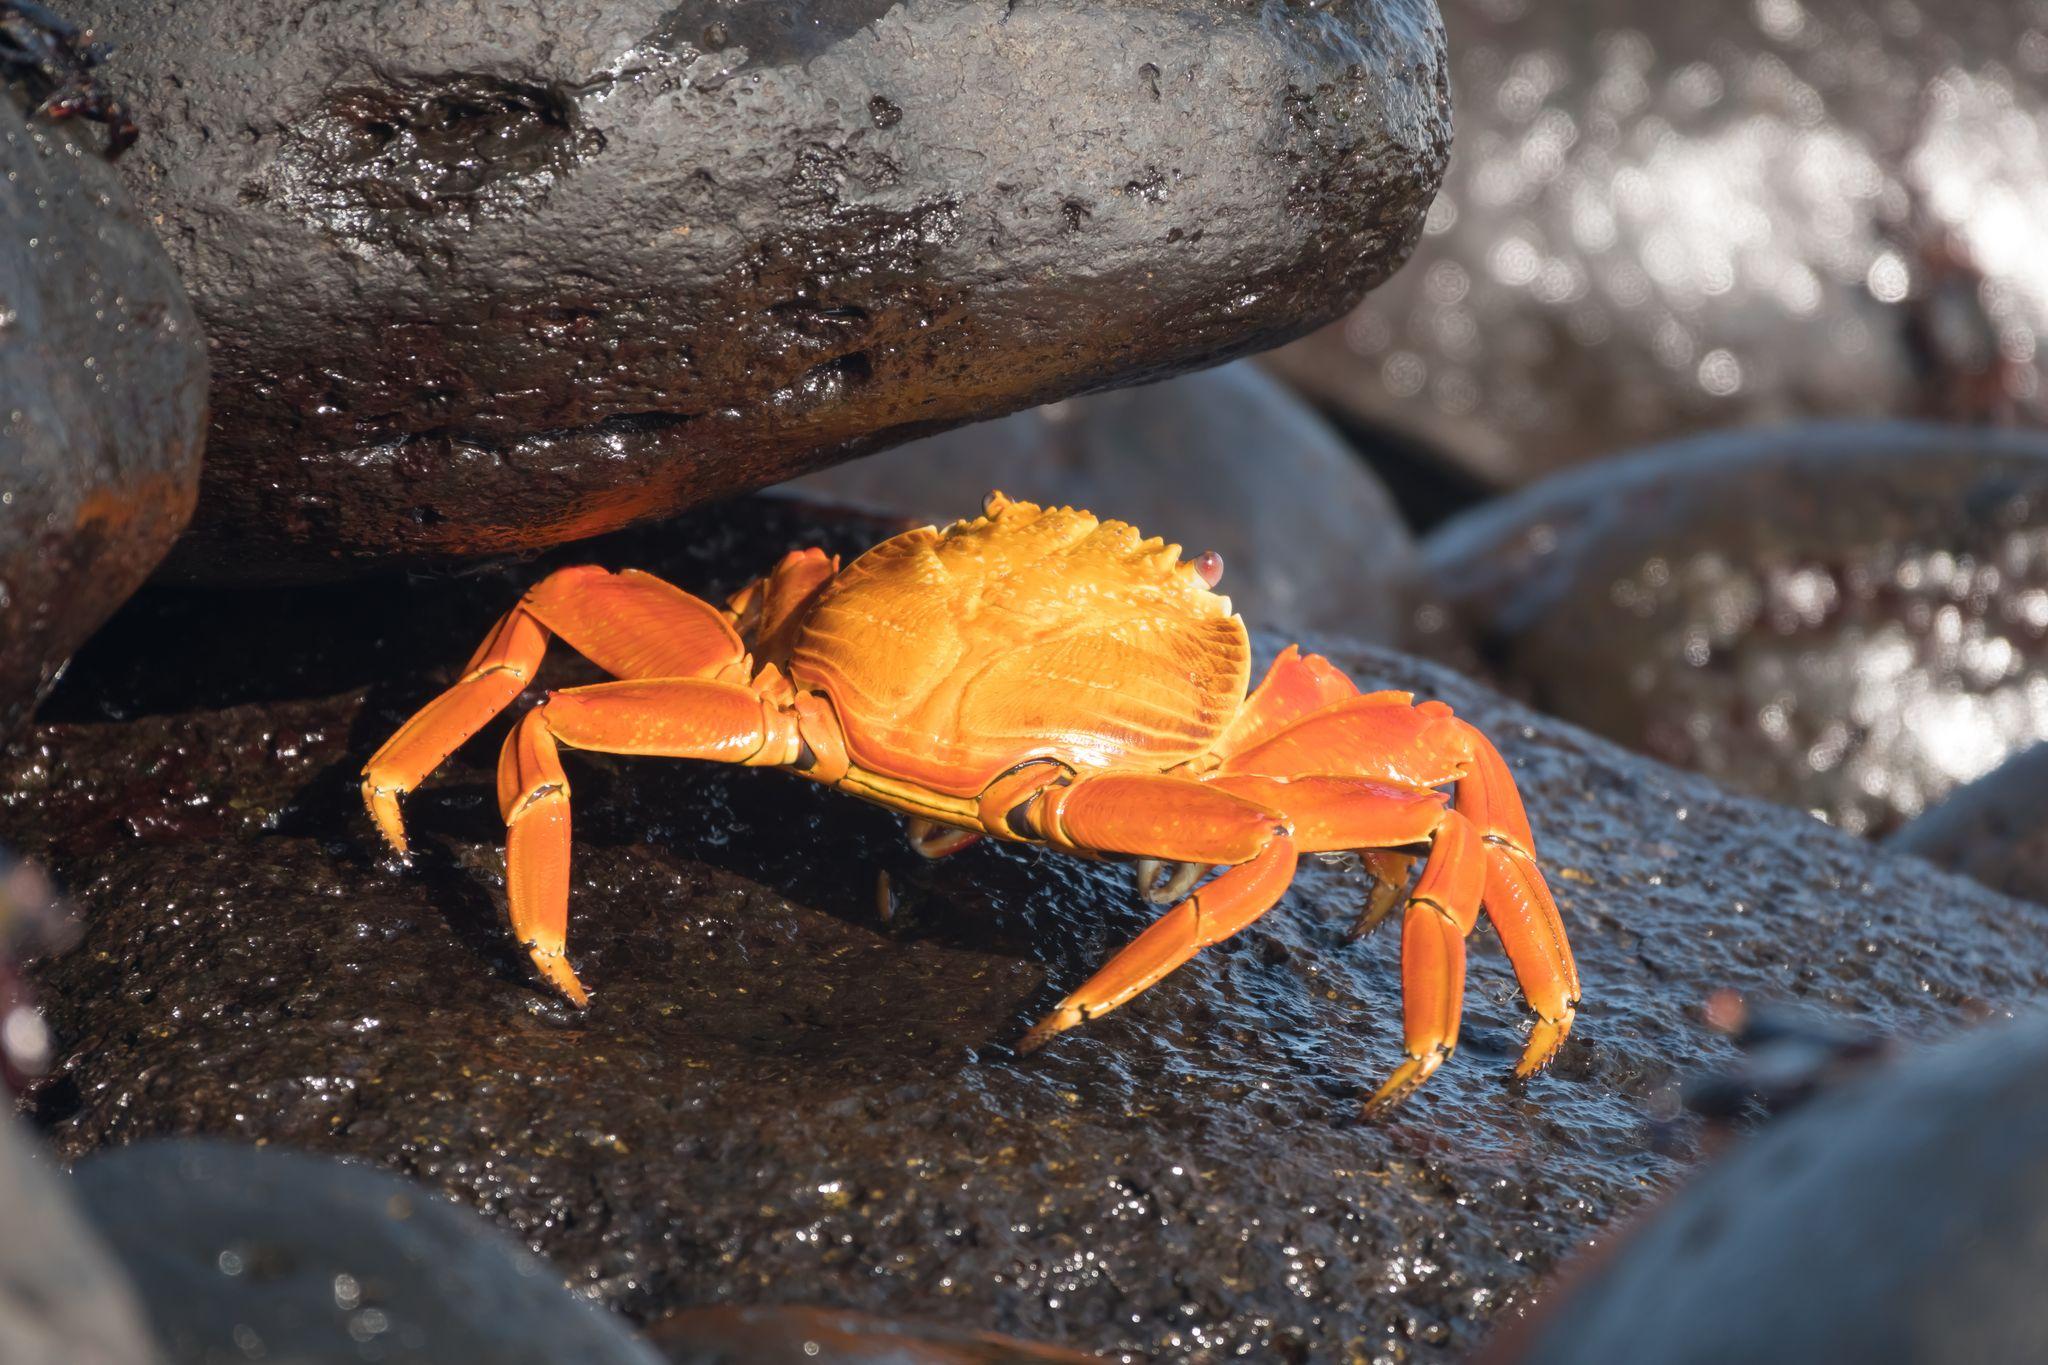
1039,676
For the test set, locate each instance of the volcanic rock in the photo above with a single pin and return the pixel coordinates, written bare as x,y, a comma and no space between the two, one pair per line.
256,1253
1993,829
778,1095
482,279
1848,619
102,400
1227,461
1669,218
1894,1222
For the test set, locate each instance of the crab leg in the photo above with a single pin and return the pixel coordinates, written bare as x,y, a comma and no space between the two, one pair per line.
1216,911
630,624
1296,685
1518,901
1426,746
669,717
1440,915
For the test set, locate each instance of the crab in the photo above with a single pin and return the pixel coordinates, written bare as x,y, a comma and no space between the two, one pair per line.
1032,675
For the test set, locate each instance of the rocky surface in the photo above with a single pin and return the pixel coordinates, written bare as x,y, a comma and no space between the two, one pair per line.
63,1297
102,397
1849,619
784,1335
1896,1221
778,1096
1992,829
1666,218
1227,461
482,278
249,1253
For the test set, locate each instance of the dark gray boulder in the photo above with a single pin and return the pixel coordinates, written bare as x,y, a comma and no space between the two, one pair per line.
1667,218
1850,619
1993,829
1227,461
776,1096
255,1253
64,1299
485,278
102,398
1896,1222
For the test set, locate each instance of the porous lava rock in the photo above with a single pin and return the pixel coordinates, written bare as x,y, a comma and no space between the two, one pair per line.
791,1335
1897,1221
1992,829
495,277
1670,218
255,1253
1227,460
1851,619
778,1095
102,398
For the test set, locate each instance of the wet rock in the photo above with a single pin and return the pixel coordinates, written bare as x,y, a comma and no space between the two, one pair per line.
102,398
786,1335
776,1095
63,1297
1670,218
1896,1221
1992,829
256,1253
1848,619
487,281
1226,461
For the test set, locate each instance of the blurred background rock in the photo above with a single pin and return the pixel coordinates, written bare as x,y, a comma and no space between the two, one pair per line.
1665,218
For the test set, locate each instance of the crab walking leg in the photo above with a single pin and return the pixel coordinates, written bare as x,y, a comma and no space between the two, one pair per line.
1296,685
670,717
1426,746
1440,915
1518,901
533,796
1351,815
1216,911
630,624
499,672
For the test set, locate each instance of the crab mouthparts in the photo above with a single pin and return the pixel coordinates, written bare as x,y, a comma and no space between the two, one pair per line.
1164,883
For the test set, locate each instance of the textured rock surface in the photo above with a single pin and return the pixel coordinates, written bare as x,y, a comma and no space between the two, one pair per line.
1665,218
799,1336
63,1297
483,277
776,1095
1227,461
1848,619
1897,1221
102,400
254,1253
1993,829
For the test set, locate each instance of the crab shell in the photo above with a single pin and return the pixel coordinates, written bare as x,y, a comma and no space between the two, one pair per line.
1034,675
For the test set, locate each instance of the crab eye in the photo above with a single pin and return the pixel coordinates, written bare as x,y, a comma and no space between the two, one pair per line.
1209,565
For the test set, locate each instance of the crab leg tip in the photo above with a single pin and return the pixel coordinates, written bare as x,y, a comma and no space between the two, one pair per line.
1407,1078
1043,1032
383,806
1544,1041
555,969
